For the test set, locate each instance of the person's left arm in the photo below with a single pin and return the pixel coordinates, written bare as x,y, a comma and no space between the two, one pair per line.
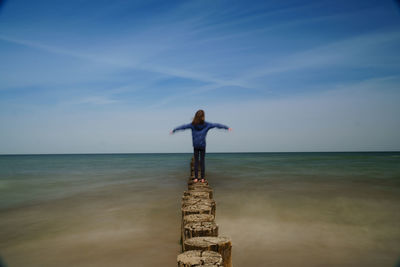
218,125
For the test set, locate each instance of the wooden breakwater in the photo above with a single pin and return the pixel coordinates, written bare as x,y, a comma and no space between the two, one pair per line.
201,244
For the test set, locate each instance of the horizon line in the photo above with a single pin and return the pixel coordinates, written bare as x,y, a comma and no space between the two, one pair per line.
242,152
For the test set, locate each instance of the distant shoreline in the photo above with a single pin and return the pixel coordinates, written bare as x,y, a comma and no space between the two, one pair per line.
166,153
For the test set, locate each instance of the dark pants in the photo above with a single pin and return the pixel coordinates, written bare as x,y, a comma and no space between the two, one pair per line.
199,153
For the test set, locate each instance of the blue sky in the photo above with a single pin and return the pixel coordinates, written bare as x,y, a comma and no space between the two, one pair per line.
84,76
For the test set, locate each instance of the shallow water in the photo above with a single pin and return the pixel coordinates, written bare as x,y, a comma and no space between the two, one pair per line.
280,209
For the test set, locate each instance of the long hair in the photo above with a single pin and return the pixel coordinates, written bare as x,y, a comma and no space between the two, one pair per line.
198,117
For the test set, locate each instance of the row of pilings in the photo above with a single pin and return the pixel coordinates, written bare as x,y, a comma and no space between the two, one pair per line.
201,244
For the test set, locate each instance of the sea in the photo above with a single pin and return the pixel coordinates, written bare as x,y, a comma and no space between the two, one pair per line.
279,209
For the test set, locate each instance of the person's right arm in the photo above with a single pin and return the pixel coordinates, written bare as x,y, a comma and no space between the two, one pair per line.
182,127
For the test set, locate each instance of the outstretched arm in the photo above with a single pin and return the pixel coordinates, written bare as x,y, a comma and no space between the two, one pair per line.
182,127
218,125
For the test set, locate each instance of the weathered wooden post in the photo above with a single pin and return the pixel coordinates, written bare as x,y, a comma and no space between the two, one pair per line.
198,218
202,189
195,194
198,229
196,209
200,201
222,245
194,258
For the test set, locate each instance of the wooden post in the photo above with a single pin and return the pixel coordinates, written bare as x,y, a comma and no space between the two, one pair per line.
198,218
222,245
200,201
199,186
194,218
196,209
196,258
202,189
195,194
197,229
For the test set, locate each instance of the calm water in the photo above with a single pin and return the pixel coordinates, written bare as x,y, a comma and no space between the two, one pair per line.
280,209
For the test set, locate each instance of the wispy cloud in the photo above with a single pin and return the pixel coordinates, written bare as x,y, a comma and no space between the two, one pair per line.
182,73
49,48
95,100
351,51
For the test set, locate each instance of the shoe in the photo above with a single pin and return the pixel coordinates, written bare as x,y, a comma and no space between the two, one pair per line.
195,180
203,180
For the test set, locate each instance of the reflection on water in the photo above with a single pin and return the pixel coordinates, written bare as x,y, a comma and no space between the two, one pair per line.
123,210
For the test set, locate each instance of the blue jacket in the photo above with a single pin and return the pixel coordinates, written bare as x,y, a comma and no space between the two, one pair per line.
199,132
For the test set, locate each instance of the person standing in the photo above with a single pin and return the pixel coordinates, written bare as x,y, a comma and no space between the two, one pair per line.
199,127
